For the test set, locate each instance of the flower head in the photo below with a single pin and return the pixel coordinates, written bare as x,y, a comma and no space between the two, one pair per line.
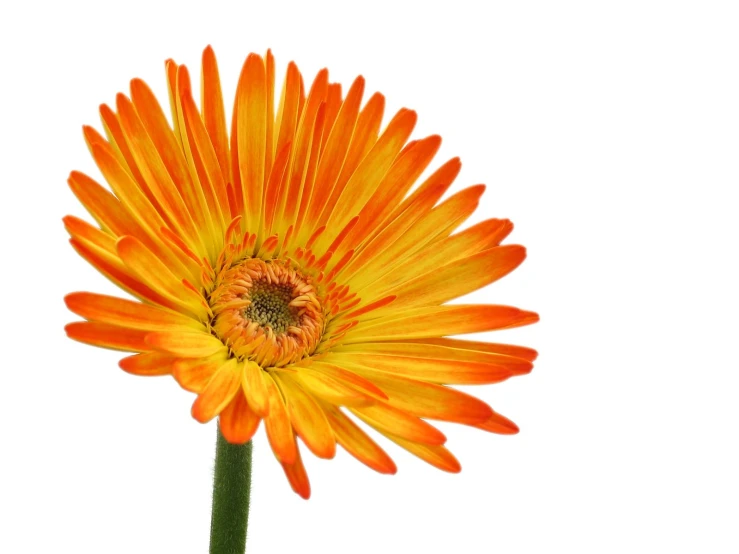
289,271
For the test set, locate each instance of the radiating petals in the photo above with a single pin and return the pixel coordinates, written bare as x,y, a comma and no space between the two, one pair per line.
185,344
255,388
497,423
457,278
278,426
237,421
357,442
297,476
108,336
219,391
391,420
148,363
307,418
117,311
193,374
436,455
439,321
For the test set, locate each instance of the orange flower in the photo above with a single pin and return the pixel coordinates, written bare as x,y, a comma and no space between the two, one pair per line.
288,273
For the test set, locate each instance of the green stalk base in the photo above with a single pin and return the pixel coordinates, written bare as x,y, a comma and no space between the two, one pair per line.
231,489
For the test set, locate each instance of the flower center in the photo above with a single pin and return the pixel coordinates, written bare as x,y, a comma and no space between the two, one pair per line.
267,312
270,306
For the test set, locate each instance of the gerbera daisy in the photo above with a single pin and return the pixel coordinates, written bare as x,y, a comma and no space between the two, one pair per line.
289,272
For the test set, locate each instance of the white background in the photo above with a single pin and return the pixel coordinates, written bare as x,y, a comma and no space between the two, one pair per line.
607,131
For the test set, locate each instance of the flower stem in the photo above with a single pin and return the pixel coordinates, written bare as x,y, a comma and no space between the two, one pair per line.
231,488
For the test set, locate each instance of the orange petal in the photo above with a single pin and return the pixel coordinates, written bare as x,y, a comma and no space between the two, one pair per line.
439,321
214,114
436,364
334,154
219,391
163,189
357,442
185,344
387,419
437,456
347,378
497,423
331,390
149,363
102,205
457,278
395,185
345,204
255,388
126,313
429,400
278,427
524,352
107,336
251,129
297,476
307,417
237,421
193,374
150,270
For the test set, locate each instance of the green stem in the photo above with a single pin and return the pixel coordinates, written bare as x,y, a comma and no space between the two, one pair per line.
231,488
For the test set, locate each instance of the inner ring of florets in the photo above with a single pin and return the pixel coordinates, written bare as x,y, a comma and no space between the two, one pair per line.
267,312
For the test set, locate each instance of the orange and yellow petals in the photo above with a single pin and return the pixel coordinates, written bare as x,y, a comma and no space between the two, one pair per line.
237,421
278,426
108,336
255,388
476,347
335,151
219,391
117,145
185,344
439,321
150,270
435,223
344,377
148,363
111,266
167,198
370,171
311,116
499,424
429,400
435,455
457,278
432,188
446,251
394,186
307,417
436,363
169,149
128,190
205,165
331,390
251,131
387,419
366,131
439,371
89,235
357,442
126,313
193,374
296,475
214,113
102,205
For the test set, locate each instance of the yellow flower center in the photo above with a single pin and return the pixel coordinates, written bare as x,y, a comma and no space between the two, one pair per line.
267,312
